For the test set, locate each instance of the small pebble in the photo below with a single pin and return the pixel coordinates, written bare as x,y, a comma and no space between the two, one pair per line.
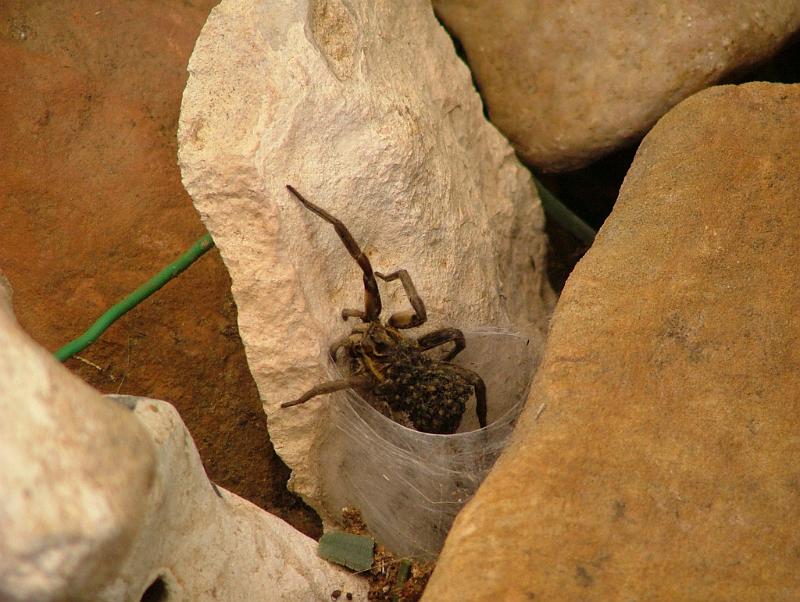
349,596
335,594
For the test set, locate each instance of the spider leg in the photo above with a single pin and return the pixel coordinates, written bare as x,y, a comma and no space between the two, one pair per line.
328,387
338,344
354,313
440,337
480,391
372,298
406,319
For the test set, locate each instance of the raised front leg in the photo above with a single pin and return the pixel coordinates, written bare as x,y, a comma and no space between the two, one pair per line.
406,319
372,297
440,337
329,387
480,391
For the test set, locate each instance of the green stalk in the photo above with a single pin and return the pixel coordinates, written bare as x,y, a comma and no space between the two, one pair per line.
136,297
402,576
563,216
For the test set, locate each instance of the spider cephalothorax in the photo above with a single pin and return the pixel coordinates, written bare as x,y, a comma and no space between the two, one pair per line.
393,372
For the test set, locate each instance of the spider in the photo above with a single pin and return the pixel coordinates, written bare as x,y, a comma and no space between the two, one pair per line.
390,370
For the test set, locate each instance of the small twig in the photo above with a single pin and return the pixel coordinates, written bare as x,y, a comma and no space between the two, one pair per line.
127,367
89,363
384,564
540,410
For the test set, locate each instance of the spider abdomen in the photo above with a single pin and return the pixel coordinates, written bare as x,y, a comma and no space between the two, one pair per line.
427,391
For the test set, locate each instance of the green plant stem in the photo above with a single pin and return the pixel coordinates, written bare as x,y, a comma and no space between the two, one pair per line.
402,576
140,294
563,216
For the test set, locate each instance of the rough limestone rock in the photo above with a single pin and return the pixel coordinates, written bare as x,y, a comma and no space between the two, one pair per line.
101,503
219,546
74,470
568,81
365,108
665,463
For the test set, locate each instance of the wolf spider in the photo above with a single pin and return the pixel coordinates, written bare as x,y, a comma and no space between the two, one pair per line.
392,371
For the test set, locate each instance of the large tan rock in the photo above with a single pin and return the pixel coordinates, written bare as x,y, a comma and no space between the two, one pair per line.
103,503
665,463
568,81
366,109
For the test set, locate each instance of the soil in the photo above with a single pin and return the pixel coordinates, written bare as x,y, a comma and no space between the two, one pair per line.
91,206
391,579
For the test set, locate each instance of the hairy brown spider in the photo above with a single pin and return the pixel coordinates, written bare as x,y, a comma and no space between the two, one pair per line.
391,371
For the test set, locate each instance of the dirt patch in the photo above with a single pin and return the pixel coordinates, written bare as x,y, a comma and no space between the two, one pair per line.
391,579
91,206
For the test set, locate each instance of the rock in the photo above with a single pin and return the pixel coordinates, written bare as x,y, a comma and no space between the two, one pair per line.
221,547
93,206
569,82
104,503
384,130
664,464
75,469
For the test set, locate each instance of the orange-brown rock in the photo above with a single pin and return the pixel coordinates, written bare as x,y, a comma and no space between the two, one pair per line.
665,464
568,81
